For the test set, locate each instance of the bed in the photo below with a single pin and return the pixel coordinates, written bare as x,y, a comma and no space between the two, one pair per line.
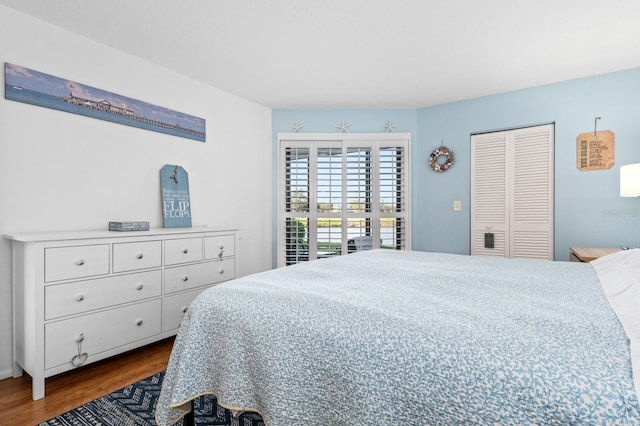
413,338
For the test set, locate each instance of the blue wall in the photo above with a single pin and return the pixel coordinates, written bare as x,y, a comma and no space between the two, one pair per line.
588,208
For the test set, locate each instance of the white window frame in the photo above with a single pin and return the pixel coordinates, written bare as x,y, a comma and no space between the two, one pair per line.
343,140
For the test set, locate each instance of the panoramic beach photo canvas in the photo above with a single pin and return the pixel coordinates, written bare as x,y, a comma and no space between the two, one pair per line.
37,88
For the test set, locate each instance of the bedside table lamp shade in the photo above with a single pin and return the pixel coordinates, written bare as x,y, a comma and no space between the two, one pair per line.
630,180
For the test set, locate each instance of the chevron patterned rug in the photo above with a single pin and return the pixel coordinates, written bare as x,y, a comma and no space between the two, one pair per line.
134,406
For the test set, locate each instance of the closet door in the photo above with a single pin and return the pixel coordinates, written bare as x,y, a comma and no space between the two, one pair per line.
489,201
512,193
531,225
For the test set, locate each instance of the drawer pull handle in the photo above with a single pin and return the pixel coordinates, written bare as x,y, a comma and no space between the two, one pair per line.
139,287
221,253
221,271
185,251
80,262
81,358
185,278
185,309
139,322
139,256
80,297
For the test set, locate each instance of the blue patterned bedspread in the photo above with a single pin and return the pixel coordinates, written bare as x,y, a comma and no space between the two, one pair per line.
407,338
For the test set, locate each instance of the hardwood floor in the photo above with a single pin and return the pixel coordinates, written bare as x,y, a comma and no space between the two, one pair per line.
74,388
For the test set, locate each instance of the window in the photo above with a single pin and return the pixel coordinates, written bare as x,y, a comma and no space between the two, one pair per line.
342,194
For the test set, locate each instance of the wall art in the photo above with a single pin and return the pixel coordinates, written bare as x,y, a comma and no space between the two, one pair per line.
37,88
176,204
595,150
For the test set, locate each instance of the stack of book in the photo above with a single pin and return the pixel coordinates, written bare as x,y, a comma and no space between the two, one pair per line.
128,226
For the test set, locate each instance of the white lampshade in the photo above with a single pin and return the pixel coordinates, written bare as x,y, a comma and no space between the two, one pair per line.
630,180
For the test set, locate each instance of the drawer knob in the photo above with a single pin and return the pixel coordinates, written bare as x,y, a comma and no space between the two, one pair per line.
221,271
221,253
185,278
139,287
185,309
80,262
185,251
139,256
80,297
139,322
221,246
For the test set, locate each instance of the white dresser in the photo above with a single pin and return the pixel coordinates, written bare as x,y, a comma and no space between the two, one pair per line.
80,297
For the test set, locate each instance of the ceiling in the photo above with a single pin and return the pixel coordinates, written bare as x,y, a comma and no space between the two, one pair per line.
361,53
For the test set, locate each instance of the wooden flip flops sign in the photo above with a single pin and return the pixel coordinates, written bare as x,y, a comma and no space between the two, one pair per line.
176,206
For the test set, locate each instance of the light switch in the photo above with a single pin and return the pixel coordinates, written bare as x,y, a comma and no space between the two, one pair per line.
457,206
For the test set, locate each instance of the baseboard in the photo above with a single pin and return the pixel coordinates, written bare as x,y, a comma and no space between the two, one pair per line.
6,374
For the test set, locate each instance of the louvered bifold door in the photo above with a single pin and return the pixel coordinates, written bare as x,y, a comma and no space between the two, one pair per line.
512,193
532,193
489,198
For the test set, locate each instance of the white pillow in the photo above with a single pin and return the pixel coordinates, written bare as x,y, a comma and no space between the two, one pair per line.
619,275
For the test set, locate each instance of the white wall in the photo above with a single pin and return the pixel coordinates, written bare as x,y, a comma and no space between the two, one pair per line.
60,171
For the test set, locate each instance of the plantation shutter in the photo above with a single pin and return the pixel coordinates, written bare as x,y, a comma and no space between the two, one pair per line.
342,195
393,195
512,193
296,204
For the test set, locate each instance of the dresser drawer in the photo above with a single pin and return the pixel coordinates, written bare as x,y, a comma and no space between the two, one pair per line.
182,250
197,275
175,307
101,332
219,246
83,296
61,263
137,255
